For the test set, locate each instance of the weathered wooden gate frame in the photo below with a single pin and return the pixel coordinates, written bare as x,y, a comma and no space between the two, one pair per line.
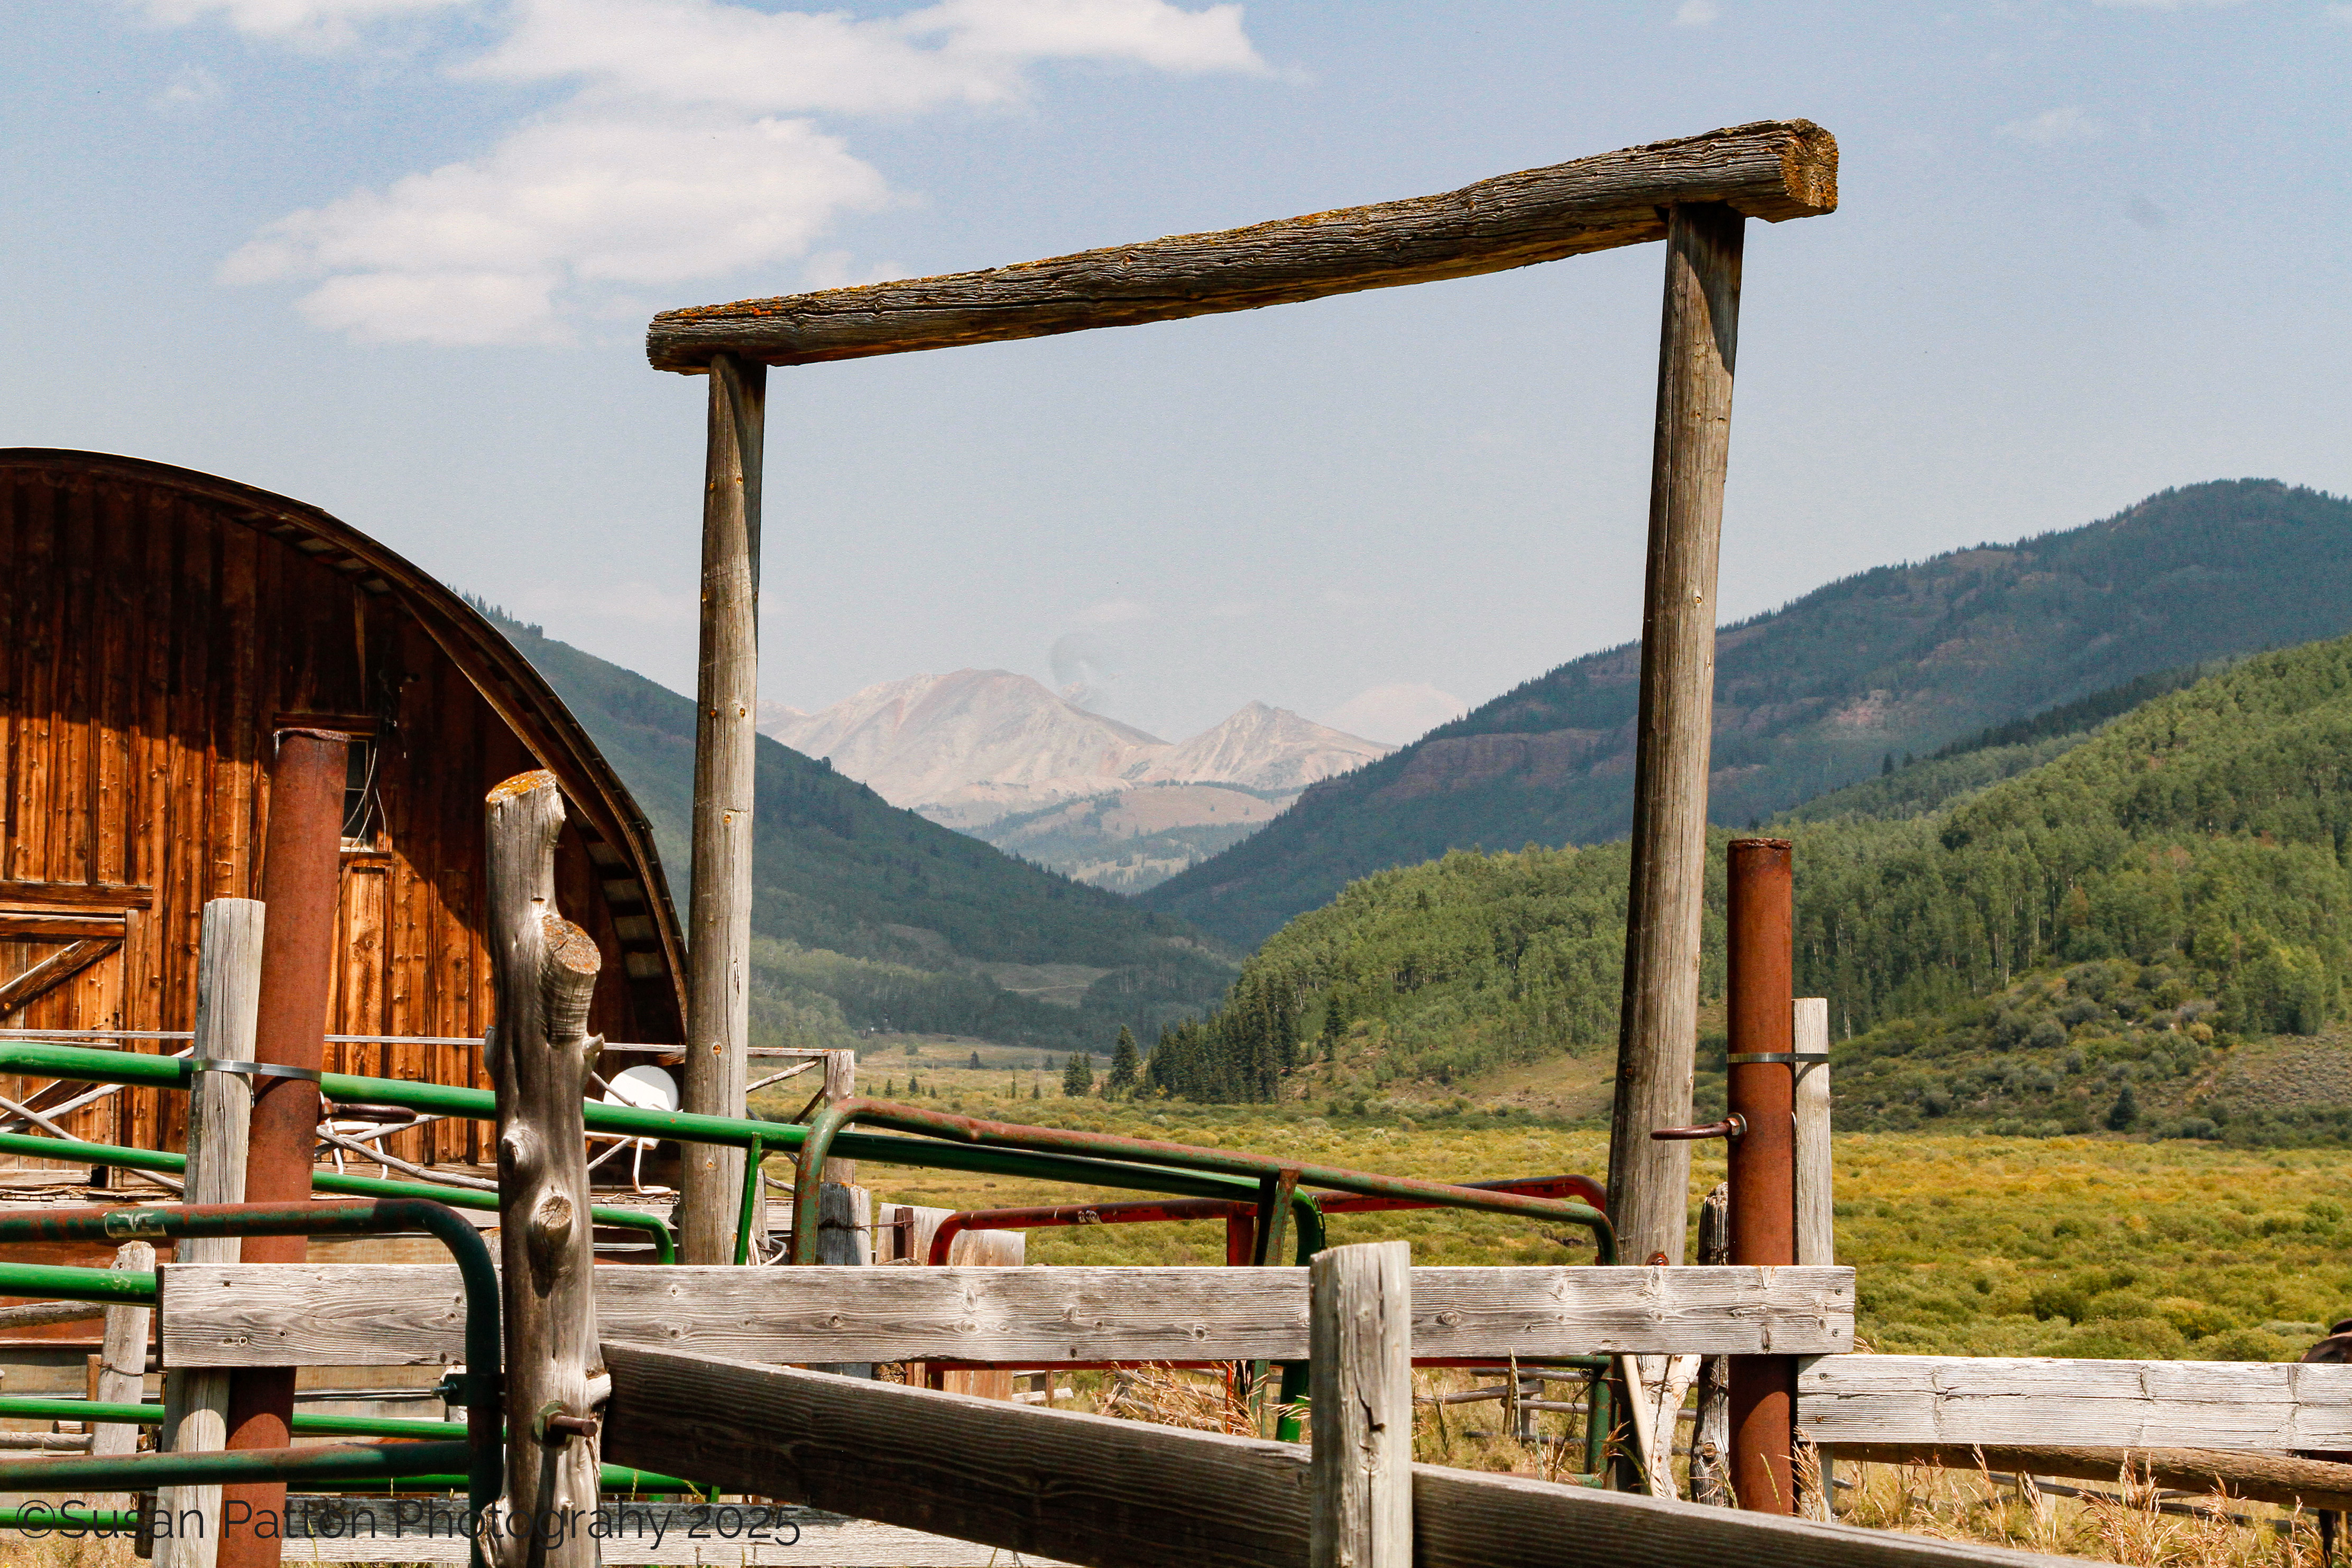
1695,194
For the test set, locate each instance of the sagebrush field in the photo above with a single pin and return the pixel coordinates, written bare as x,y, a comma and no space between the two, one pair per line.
1964,1244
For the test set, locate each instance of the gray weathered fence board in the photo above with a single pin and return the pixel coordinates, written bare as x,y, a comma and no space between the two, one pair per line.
1123,1494
2025,1402
375,1315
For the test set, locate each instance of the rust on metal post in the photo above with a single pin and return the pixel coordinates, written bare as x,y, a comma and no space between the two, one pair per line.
1763,1092
300,869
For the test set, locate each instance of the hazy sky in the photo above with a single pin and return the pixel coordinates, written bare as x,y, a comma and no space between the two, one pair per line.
395,257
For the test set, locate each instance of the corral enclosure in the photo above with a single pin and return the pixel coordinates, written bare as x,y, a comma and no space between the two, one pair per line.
157,628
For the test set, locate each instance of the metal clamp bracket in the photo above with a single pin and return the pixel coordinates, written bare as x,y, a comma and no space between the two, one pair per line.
251,1070
1794,1058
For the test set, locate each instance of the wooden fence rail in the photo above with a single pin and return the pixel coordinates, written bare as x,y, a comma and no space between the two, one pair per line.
2002,1402
1122,1494
375,1315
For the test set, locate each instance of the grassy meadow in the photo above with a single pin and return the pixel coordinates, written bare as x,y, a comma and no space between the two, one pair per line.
1965,1244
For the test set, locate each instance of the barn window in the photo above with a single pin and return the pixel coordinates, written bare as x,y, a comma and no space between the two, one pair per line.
362,813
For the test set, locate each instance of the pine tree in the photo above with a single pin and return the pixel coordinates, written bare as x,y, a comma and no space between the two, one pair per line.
1036,1090
914,1084
889,1089
2124,1113
1123,1064
975,1061
1078,1077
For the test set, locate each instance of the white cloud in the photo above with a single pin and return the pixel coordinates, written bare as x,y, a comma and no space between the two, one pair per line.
1395,713
480,252
704,53
1696,12
191,87
684,153
2067,123
319,22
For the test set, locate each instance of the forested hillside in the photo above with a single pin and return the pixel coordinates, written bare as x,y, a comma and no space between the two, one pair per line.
869,916
2121,915
1817,695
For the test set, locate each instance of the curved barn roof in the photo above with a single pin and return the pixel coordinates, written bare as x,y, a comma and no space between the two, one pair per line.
652,949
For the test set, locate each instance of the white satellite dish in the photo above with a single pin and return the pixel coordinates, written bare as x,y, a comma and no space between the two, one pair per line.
645,1087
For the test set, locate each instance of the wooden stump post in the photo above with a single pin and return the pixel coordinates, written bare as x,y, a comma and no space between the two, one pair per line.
122,1369
544,969
1658,1023
718,1017
1360,1392
840,1084
228,1000
1710,1465
1816,1182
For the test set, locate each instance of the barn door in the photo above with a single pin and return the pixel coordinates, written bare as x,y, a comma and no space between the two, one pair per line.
62,967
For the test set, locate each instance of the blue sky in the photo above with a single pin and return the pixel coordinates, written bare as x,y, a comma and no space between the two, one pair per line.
395,257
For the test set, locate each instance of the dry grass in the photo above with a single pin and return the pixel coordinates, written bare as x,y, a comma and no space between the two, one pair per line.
2128,1524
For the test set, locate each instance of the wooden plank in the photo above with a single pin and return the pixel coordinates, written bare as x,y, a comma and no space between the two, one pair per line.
2272,1407
1464,1520
1657,1030
1361,1388
1771,169
61,926
1124,1494
371,1315
63,896
978,1249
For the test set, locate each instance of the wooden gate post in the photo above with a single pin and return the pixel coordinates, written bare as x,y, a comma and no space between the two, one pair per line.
1816,1179
539,1056
1360,1396
717,1010
300,870
1761,1092
1658,1024
195,1399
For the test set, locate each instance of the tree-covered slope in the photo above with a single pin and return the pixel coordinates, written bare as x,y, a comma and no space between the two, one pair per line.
1815,695
2123,914
871,916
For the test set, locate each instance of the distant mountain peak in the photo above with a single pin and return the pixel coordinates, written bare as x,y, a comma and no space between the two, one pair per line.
973,746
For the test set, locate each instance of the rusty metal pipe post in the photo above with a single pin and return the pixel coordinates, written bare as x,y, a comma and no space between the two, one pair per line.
1762,1094
299,872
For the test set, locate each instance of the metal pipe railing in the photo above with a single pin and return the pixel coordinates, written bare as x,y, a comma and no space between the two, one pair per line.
32,1407
484,1426
943,1142
83,1064
825,1132
665,1240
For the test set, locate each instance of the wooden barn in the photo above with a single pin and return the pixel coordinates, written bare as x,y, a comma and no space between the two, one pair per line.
157,627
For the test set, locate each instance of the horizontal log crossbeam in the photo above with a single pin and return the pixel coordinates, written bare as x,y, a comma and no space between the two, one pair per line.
1773,169
372,1314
